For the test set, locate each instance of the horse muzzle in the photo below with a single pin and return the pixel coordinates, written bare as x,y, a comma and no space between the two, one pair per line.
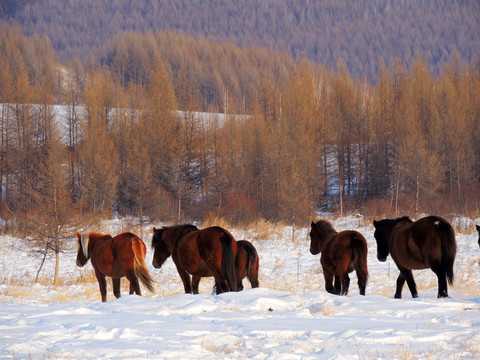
79,264
156,264
381,258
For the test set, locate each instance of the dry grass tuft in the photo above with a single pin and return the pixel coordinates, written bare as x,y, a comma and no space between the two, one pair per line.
213,220
261,228
265,230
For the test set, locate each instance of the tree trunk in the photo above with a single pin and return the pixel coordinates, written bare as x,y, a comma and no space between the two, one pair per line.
417,192
43,261
57,267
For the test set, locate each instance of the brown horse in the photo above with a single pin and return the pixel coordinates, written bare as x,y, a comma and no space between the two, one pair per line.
122,255
246,264
342,252
478,229
426,243
200,253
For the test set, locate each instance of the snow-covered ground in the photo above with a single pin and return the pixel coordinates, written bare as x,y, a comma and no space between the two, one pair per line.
289,317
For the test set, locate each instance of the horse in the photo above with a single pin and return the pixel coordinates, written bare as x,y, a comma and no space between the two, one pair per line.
342,253
478,229
200,253
246,259
414,245
116,257
246,264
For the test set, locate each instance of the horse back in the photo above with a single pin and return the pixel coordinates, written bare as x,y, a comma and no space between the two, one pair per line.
126,244
211,239
355,242
418,244
119,254
191,250
345,250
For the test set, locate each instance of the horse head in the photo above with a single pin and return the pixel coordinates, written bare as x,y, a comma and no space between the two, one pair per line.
381,234
478,229
161,252
318,232
82,253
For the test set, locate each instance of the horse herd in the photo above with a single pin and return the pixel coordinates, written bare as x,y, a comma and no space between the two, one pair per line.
426,243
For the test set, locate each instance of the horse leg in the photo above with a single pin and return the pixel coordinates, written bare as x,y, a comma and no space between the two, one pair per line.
400,283
102,284
329,282
442,281
362,282
134,284
411,283
406,275
187,284
116,287
135,287
195,282
221,283
239,285
253,278
338,284
345,284
184,275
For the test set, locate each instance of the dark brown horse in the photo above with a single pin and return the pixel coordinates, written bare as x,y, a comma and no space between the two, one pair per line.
342,252
246,264
200,253
426,243
122,255
478,229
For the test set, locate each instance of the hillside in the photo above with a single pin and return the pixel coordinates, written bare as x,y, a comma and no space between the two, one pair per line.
362,33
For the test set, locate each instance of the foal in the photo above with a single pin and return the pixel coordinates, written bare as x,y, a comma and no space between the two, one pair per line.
342,252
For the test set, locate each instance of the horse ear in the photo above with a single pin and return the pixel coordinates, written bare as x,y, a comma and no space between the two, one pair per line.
79,236
375,222
312,224
154,229
478,227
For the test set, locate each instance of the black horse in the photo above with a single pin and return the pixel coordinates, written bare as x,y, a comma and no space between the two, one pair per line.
426,243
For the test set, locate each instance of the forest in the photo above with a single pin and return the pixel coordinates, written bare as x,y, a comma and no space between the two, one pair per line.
362,32
282,140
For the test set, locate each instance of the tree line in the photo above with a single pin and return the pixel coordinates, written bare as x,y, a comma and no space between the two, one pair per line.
309,140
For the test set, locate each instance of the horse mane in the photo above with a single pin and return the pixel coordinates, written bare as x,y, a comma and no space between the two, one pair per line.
325,227
84,240
403,218
392,222
184,229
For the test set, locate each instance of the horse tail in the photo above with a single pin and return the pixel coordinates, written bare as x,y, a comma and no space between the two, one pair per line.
360,252
252,264
449,247
139,267
228,260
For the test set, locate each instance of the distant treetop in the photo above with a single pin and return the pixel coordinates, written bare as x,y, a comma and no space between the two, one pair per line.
362,33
